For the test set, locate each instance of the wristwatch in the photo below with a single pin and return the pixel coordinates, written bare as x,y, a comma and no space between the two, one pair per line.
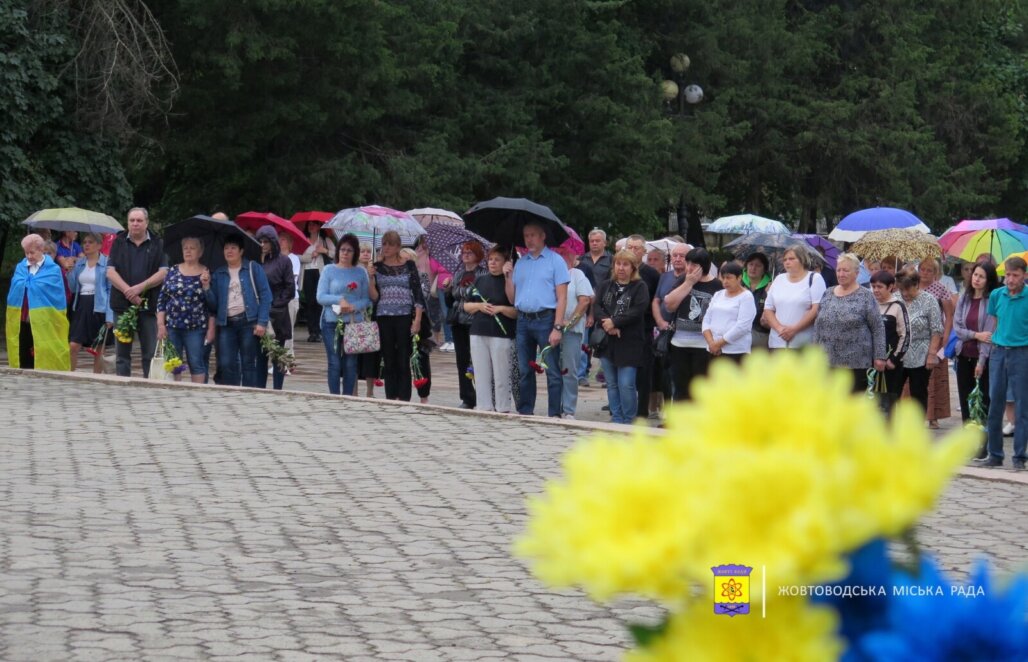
557,327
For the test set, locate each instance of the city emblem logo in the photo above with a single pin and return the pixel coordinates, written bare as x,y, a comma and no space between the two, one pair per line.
731,589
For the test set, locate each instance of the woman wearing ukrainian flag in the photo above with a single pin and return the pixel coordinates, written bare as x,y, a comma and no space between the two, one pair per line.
37,322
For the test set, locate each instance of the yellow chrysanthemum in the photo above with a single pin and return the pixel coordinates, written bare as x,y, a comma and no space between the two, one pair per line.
619,521
775,464
794,630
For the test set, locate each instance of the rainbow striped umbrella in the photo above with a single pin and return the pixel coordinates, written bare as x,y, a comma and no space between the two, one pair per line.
999,237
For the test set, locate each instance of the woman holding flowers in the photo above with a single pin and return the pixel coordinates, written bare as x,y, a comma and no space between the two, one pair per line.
279,271
344,287
463,281
973,327
241,297
91,303
619,309
925,333
400,307
493,320
182,315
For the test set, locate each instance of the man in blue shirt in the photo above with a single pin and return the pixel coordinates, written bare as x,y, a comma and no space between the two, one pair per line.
1008,363
538,286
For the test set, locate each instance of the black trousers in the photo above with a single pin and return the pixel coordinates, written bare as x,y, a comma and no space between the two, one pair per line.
311,307
26,355
644,379
688,363
462,351
918,378
394,333
965,384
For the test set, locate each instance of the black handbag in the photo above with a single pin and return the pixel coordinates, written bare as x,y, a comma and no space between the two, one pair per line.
662,343
597,339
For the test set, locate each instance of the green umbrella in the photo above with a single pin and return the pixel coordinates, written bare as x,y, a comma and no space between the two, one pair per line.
73,218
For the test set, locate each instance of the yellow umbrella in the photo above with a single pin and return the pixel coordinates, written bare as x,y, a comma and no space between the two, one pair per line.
1001,268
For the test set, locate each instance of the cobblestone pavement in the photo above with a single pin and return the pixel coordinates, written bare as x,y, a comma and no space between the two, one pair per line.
169,523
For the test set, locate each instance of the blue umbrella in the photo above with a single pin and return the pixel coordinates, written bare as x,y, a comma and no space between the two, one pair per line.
857,224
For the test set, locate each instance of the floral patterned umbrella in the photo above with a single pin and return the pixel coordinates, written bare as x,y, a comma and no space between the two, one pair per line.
373,221
907,245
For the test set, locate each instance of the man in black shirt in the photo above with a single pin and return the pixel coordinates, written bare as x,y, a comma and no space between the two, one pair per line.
644,375
136,268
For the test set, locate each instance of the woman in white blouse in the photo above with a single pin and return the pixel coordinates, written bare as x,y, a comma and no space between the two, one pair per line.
728,322
792,302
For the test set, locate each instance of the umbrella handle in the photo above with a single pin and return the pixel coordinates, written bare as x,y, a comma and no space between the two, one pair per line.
374,238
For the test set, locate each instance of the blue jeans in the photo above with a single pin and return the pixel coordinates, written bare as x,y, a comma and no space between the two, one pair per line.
340,366
532,335
447,332
189,345
1008,371
622,397
570,354
237,353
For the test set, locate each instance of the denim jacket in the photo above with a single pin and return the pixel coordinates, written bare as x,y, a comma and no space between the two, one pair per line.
102,296
258,305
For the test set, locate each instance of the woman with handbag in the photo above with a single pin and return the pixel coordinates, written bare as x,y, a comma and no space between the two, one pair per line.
619,311
240,296
400,308
461,285
279,271
345,285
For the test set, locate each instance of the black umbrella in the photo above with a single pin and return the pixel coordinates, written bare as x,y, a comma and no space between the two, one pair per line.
502,220
212,233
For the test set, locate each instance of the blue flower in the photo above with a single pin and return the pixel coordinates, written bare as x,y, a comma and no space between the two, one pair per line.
860,614
951,626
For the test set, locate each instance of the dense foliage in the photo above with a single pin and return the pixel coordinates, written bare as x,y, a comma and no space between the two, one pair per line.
812,109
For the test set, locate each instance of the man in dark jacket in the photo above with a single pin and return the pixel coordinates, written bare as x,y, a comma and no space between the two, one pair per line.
279,271
136,268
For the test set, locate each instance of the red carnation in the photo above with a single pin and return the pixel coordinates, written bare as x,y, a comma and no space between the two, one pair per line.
379,382
418,383
535,366
352,286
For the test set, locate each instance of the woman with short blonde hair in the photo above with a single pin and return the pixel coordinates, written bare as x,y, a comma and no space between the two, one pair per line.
620,309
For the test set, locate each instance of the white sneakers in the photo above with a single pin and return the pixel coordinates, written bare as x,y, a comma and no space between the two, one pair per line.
1008,429
446,347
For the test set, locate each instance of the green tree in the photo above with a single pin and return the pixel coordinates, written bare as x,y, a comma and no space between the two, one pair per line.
46,158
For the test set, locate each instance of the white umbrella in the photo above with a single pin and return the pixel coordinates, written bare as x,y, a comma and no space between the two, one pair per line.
747,224
429,215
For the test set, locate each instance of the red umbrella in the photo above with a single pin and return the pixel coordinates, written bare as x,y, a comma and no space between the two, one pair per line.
301,217
254,220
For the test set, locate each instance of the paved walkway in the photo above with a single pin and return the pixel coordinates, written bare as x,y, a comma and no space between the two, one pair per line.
201,523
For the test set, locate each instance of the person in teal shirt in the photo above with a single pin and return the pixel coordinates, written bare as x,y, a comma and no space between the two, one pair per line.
1008,363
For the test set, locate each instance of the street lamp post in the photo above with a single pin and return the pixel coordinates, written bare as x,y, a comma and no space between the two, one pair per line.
680,97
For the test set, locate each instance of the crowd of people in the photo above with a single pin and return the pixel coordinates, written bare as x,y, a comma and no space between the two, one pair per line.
650,322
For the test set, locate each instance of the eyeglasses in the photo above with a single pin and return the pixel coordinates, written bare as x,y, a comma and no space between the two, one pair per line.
346,250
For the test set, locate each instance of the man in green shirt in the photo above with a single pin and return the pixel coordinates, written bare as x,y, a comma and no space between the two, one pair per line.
1008,363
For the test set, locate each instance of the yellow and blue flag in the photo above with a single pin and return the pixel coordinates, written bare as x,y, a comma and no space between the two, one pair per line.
47,315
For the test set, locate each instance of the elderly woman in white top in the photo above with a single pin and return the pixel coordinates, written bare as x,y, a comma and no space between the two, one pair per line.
728,322
792,302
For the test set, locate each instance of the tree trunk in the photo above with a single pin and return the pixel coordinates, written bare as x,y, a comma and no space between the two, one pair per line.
3,245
